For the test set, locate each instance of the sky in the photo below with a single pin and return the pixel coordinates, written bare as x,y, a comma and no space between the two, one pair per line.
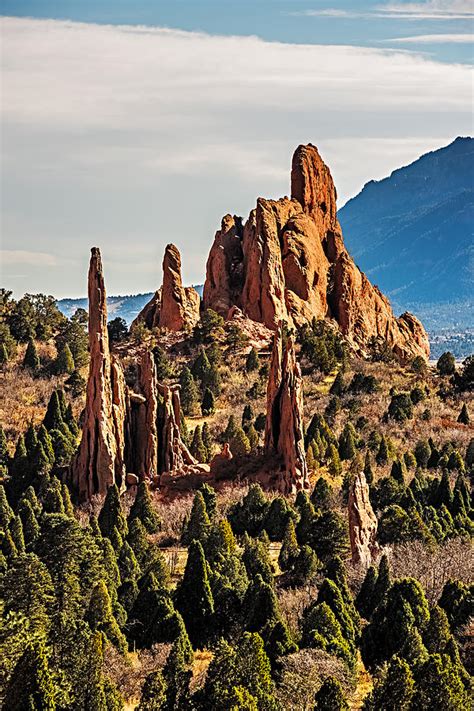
131,124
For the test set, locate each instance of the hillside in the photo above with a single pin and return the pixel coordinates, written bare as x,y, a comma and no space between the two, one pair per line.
412,232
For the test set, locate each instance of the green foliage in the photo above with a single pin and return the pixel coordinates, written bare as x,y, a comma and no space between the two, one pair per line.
210,499
438,685
194,598
333,460
277,517
198,450
463,416
111,515
457,601
31,685
207,403
189,392
209,327
257,560
248,515
76,384
446,364
400,407
64,363
163,365
394,690
289,549
31,359
198,526
330,697
347,444
252,362
4,357
153,695
100,617
143,510
117,330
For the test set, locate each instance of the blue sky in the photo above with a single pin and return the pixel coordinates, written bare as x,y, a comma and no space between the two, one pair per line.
133,124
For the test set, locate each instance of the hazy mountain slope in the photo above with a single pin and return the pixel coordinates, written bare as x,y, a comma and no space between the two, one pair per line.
412,233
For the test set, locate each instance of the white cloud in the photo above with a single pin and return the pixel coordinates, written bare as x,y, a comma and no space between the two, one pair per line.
434,39
130,138
13,257
430,10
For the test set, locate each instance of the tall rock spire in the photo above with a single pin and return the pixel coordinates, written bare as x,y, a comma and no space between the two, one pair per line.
99,462
284,424
362,522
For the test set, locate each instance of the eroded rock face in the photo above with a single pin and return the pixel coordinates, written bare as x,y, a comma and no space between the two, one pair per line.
174,306
173,453
99,462
362,523
284,425
289,263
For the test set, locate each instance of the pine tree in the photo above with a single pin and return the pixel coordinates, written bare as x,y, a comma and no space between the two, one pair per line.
253,438
31,441
398,471
16,531
383,583
111,515
31,360
19,471
197,446
230,430
30,524
249,514
330,697
207,404
198,525
143,509
177,676
382,454
207,441
31,685
239,443
200,366
446,364
364,601
189,392
194,597
53,419
76,384
210,499
252,362
438,686
4,358
347,447
4,458
394,691
334,462
127,563
463,416
53,501
422,453
322,494
64,363
254,671
153,695
46,442
6,512
101,619
369,474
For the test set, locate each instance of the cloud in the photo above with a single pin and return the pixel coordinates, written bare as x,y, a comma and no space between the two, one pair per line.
433,39
130,138
430,10
13,257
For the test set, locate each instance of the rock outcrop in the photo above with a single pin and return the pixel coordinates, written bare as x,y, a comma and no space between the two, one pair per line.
99,462
173,306
362,523
288,262
284,424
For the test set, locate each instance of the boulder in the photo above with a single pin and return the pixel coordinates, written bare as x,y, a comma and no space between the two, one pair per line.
288,262
362,523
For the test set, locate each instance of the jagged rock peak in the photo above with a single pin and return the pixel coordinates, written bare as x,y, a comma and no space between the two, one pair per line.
284,434
173,306
99,461
288,262
362,522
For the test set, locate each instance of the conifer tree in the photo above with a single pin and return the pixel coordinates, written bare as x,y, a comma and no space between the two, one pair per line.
76,384
197,446
189,392
289,548
153,697
4,458
4,358
207,441
382,453
230,430
394,690
261,605
31,685
438,685
334,462
45,440
30,524
364,601
347,447
127,563
330,697
252,362
16,531
31,360
101,619
6,512
256,559
304,566
31,441
143,509
337,388
322,494
111,515
254,671
239,443
210,499
463,416
398,471
64,363
383,582
207,403
53,501
200,366
53,419
198,526
369,474
194,597
177,675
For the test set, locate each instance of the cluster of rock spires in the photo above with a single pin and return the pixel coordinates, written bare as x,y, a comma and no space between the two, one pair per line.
124,431
288,263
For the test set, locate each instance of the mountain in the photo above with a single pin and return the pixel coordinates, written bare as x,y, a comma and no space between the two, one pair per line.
412,233
126,307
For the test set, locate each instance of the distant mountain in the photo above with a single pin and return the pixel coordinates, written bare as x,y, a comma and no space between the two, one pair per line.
126,307
412,233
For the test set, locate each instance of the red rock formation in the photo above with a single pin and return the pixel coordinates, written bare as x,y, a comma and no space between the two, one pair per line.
174,306
146,442
362,523
99,462
289,263
284,424
173,453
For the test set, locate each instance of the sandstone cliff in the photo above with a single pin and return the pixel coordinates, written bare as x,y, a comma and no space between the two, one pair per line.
288,262
173,306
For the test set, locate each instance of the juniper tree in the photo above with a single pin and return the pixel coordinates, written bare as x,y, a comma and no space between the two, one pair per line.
153,696
194,597
144,510
197,448
101,619
322,494
31,360
4,458
207,403
53,418
127,563
252,362
394,690
30,524
64,363
330,697
31,685
198,526
111,514
210,499
189,392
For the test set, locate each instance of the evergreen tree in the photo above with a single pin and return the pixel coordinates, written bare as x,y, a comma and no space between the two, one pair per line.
330,535
463,416
394,690
31,360
75,384
364,600
369,474
16,531
6,512
4,358
4,458
194,597
398,471
277,517
197,446
101,619
334,462
177,675
30,524
239,443
111,515
189,392
198,525
200,366
127,563
289,548
47,444
249,514
304,567
64,363
382,454
257,560
347,448
438,686
53,419
330,697
153,697
252,362
210,499
19,471
31,685
422,453
254,671
143,510
446,364
253,438
207,404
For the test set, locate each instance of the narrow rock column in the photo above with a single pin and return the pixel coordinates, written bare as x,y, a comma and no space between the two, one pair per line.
146,433
99,462
362,522
173,453
284,424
